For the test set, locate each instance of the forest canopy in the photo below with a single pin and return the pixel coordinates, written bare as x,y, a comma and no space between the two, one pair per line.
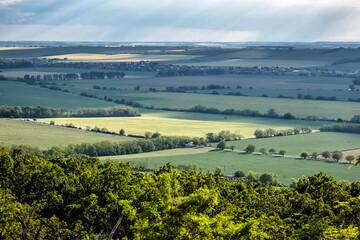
74,198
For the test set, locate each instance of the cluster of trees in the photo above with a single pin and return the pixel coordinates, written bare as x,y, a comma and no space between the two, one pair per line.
246,112
46,112
101,75
222,136
193,88
336,155
331,98
273,133
355,119
190,71
105,87
351,128
73,76
59,198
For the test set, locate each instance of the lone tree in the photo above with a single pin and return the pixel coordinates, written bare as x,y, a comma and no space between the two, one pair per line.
304,155
326,154
221,145
272,150
122,132
262,150
218,172
282,152
239,174
314,155
350,158
337,155
250,148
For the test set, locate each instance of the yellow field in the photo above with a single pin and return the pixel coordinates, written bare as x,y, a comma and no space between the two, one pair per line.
164,153
163,125
17,48
122,57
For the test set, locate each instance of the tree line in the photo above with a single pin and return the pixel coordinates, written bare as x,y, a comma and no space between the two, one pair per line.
350,128
156,142
274,133
46,112
74,198
73,76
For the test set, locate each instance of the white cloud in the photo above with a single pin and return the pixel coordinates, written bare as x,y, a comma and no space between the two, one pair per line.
10,2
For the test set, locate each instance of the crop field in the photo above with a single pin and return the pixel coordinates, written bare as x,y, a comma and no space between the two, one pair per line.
285,167
182,124
88,57
16,132
20,94
296,144
163,153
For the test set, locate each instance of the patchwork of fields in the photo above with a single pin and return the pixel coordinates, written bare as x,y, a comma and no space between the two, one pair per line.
144,87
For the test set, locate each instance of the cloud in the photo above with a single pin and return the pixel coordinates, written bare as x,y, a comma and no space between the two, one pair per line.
185,20
10,2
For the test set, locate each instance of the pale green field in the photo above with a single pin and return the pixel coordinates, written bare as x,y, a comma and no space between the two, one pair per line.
16,132
91,57
164,153
183,124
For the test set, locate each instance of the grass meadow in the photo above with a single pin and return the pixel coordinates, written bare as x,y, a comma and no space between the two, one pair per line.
21,94
285,167
16,132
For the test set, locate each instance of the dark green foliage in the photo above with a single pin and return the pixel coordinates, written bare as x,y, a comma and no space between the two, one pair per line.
239,174
221,145
326,154
351,128
337,155
58,198
45,112
106,148
250,148
282,152
274,133
304,155
222,136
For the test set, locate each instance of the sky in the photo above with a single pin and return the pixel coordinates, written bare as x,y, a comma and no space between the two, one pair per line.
180,20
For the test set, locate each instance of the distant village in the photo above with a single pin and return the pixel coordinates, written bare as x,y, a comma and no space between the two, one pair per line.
166,70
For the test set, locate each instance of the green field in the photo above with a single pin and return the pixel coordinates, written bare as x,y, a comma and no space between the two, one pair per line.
286,168
298,108
16,132
183,124
296,144
21,94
